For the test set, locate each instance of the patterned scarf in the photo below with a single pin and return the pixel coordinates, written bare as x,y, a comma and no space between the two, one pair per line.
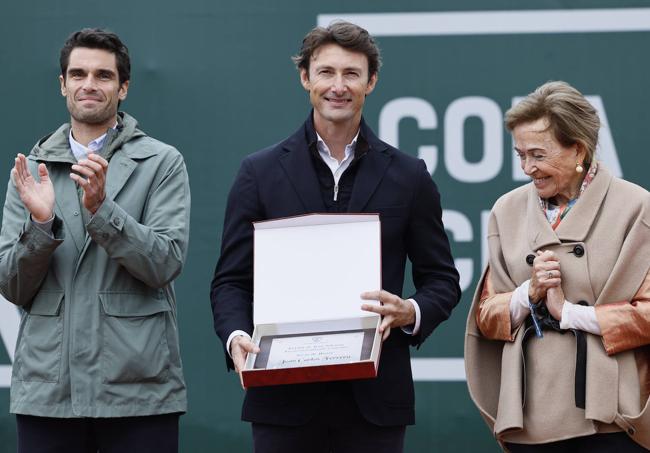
554,213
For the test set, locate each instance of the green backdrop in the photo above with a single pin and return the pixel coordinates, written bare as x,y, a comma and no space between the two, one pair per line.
206,73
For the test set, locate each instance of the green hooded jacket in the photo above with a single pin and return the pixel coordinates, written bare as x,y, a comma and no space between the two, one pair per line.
98,334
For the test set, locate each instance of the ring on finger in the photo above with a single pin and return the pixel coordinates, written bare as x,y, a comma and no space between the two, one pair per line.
549,275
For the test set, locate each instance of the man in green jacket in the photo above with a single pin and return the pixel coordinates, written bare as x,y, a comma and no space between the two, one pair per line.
95,229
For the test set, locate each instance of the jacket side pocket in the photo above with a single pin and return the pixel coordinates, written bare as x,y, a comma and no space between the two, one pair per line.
38,355
135,345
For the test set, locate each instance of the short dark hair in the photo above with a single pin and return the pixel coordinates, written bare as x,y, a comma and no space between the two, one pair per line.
346,35
97,38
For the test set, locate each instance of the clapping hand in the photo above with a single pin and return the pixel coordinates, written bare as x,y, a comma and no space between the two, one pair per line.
37,196
94,169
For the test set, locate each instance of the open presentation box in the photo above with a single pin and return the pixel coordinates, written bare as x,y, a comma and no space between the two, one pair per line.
309,273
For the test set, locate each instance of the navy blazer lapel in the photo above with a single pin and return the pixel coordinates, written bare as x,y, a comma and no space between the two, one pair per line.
372,167
299,168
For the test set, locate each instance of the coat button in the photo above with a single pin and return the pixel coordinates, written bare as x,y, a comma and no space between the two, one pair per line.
578,250
631,431
75,213
117,221
529,259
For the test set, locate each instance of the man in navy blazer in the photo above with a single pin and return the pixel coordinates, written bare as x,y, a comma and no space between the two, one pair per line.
334,163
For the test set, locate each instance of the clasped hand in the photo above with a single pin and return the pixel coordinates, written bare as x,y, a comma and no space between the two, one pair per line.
546,283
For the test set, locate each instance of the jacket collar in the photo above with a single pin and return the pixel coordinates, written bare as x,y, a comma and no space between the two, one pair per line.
576,226
55,147
299,167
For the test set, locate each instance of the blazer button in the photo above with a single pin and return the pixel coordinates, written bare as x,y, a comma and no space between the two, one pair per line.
117,221
529,259
578,250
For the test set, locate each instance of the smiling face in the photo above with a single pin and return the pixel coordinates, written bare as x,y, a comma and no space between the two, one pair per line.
91,87
337,83
551,165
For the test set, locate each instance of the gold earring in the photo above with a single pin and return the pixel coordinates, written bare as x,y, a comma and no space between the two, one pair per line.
579,168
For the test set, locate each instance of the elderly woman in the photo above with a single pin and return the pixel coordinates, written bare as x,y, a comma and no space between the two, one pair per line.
556,349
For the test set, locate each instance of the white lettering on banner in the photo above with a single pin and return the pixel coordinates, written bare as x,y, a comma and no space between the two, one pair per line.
9,323
408,107
606,150
490,115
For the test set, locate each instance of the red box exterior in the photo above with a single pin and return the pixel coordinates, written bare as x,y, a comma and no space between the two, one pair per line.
345,371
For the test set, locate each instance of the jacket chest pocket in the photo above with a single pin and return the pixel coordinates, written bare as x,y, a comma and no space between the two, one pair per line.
38,355
135,347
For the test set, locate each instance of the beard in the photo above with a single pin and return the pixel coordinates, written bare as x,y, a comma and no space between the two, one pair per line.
98,115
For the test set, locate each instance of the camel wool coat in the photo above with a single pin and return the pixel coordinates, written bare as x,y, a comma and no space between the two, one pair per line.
530,397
